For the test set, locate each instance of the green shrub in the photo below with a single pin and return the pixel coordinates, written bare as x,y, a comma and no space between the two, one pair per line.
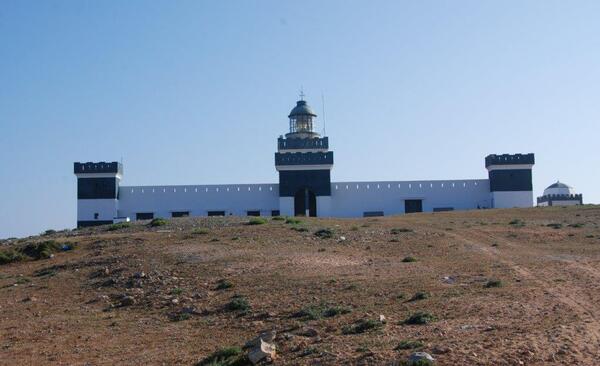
409,344
493,283
420,318
361,326
299,229
177,291
555,225
332,311
181,317
409,259
119,226
419,296
577,225
309,313
278,218
292,221
49,232
158,222
517,222
256,221
41,250
49,272
324,233
397,231
9,256
199,231
223,284
230,356
238,303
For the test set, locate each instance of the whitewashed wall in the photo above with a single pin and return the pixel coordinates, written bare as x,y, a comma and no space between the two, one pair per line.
198,200
352,199
105,208
348,199
510,199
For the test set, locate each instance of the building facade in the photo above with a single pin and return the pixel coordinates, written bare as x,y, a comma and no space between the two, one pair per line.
560,194
304,163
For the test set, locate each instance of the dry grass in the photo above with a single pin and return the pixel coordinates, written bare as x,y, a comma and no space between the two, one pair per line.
67,309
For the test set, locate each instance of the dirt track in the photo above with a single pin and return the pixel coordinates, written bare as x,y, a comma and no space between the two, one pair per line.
547,310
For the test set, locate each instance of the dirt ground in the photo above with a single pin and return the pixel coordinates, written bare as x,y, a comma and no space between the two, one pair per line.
504,287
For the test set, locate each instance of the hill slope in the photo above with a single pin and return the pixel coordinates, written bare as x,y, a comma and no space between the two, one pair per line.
501,287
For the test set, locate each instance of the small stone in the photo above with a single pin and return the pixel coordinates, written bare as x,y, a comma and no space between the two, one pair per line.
308,332
268,336
127,300
418,356
342,238
440,350
382,318
448,280
261,351
175,301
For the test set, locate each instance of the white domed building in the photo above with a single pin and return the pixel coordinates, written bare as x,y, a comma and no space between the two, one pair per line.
560,194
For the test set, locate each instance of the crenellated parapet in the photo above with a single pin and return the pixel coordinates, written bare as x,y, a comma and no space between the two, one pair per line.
509,159
304,158
99,167
549,198
303,143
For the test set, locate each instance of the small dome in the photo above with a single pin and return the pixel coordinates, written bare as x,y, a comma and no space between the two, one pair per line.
559,188
302,109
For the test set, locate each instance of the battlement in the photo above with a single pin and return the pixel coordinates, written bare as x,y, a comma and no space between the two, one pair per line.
509,159
560,197
310,158
99,167
307,143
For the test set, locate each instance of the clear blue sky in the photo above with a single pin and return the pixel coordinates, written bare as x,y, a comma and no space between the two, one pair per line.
195,92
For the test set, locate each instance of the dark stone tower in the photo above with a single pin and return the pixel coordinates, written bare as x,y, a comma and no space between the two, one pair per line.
304,163
510,179
97,192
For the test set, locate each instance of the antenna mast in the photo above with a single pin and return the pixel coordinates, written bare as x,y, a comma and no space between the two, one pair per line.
323,103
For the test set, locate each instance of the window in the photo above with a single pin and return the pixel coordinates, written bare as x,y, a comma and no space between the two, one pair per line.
216,213
441,209
372,213
275,213
253,213
144,215
180,214
96,215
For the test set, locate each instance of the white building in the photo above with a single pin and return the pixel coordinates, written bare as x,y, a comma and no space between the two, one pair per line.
560,194
304,162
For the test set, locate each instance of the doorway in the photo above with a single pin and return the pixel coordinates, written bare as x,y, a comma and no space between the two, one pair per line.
412,206
305,200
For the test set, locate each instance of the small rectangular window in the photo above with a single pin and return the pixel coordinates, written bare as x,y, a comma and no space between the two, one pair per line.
216,213
372,213
180,214
275,213
96,215
253,213
144,215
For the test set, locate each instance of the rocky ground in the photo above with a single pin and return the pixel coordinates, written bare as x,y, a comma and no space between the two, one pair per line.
488,287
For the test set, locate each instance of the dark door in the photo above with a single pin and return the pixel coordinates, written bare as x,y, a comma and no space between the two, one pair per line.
411,206
304,200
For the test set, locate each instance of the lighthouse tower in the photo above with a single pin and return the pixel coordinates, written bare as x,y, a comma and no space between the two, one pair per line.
304,163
